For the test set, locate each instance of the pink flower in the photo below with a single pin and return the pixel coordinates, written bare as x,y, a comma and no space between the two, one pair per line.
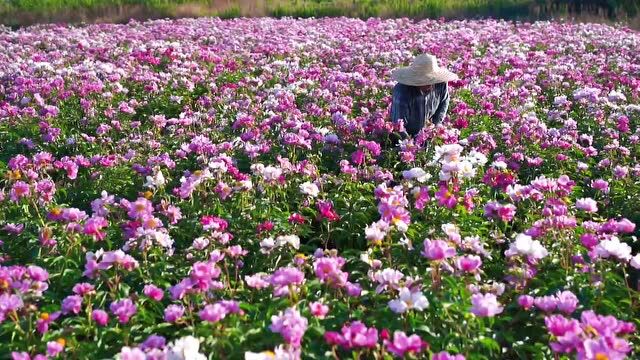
437,250
213,313
546,303
291,325
328,270
124,309
587,204
355,335
257,281
445,197
83,289
54,348
296,218
486,305
140,209
318,309
601,349
327,211
567,302
93,227
173,312
72,304
526,301
19,190
469,263
153,292
100,317
403,344
601,185
446,356
214,223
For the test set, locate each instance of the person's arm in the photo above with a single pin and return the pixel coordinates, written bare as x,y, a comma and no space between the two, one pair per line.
399,108
441,112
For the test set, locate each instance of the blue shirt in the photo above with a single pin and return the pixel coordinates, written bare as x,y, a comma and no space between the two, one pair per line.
415,107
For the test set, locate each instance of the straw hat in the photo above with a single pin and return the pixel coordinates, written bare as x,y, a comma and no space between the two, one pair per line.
424,70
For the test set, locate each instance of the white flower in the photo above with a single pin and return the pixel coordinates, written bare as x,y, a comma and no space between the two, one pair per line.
155,181
501,165
257,168
374,233
218,166
408,300
267,245
448,152
271,173
265,355
292,240
613,247
416,173
450,229
466,170
309,188
525,245
185,348
635,261
476,158
615,96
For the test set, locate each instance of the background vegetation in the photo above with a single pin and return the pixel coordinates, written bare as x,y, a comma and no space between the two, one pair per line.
26,12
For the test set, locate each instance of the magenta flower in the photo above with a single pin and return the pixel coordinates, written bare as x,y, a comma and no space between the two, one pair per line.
153,292
124,309
445,197
567,302
446,356
214,223
93,227
354,335
437,250
72,304
526,301
326,211
485,305
469,263
100,317
403,344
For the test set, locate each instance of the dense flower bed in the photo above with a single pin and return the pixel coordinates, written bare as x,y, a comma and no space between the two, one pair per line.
199,189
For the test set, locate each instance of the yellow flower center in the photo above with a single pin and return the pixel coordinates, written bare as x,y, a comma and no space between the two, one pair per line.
601,356
44,316
61,341
14,175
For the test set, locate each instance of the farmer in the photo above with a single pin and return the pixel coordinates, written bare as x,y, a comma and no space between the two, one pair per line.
420,95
